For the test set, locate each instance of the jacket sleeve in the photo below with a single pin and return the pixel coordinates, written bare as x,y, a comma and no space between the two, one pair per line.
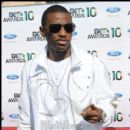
103,96
24,103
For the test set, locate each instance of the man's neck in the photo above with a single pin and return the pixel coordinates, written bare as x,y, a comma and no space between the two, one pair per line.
58,55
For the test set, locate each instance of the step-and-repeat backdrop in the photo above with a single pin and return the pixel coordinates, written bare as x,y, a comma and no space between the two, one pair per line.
102,29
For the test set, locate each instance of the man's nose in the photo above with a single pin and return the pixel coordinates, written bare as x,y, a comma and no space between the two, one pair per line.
62,31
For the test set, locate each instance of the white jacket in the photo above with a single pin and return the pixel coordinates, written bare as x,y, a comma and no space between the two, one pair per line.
88,83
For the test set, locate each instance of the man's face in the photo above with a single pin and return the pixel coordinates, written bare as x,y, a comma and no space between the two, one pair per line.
58,41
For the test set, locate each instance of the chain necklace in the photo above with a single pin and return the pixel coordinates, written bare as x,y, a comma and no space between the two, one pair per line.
62,76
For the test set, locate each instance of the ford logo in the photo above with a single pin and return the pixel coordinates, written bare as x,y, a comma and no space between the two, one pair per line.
129,73
12,77
129,115
113,10
14,116
128,30
74,33
114,53
118,95
10,36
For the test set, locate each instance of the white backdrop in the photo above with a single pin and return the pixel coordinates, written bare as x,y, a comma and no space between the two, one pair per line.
102,29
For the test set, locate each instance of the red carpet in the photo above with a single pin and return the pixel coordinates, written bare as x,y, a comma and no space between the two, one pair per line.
128,128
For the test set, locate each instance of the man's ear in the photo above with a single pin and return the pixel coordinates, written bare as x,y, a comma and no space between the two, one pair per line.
42,31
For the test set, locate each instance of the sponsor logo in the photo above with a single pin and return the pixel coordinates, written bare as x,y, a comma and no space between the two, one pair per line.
2,118
83,12
15,98
20,57
114,53
36,36
10,36
12,77
118,95
114,32
129,73
13,116
129,30
19,16
93,52
129,57
74,33
117,75
129,12
118,116
113,10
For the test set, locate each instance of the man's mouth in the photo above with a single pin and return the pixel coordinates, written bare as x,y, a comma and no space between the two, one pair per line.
62,42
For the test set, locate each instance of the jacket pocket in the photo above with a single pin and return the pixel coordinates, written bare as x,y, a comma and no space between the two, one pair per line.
83,81
80,92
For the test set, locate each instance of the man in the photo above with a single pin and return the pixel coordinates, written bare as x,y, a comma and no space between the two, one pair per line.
64,88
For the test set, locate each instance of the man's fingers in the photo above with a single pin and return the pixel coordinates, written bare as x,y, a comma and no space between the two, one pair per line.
93,106
92,121
91,114
95,118
83,113
90,111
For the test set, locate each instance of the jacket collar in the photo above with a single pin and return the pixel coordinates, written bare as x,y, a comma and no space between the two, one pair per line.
75,58
41,60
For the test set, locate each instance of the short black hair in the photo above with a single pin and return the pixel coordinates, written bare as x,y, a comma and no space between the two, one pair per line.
53,9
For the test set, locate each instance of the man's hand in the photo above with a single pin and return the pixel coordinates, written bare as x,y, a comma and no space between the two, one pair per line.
92,114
